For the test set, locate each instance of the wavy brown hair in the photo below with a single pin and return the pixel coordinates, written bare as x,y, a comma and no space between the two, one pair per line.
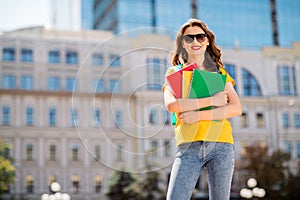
212,61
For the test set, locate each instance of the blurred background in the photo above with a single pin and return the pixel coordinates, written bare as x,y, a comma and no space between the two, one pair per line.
81,104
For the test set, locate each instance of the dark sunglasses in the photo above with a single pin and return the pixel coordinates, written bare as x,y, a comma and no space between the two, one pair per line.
199,37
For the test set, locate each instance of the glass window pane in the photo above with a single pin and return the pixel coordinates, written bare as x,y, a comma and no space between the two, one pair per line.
52,117
26,55
8,54
29,116
97,59
6,115
71,84
54,83
8,81
71,57
26,82
54,57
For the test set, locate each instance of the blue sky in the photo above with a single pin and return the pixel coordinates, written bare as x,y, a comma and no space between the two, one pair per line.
22,13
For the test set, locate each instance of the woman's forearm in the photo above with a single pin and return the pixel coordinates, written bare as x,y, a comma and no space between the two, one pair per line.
183,105
220,113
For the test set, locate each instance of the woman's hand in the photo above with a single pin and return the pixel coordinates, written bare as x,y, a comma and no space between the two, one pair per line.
220,99
190,117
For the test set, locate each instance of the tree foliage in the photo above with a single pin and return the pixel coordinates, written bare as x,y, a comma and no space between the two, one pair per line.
271,172
121,187
150,187
7,170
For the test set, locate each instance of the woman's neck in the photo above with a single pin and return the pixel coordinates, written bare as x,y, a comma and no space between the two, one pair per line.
199,60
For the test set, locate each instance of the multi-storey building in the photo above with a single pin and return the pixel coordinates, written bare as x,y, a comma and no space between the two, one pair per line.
75,106
247,24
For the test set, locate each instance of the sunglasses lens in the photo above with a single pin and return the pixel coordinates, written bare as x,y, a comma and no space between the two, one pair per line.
200,37
188,39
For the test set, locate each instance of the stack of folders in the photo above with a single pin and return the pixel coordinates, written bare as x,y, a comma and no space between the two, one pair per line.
191,82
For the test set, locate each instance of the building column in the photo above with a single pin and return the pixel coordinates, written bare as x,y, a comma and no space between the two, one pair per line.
41,162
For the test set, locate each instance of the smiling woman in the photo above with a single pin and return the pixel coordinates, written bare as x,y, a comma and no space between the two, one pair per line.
203,137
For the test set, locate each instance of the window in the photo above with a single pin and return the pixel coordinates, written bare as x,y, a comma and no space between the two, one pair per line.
71,58
97,152
114,86
153,117
29,116
97,117
114,60
297,120
8,81
298,149
75,184
120,153
74,118
167,148
154,147
26,82
244,120
52,150
98,184
285,120
52,117
260,122
98,86
286,79
26,55
29,184
51,179
53,83
288,147
6,115
71,84
231,69
29,152
53,57
97,59
167,117
8,54
155,73
75,152
118,119
250,84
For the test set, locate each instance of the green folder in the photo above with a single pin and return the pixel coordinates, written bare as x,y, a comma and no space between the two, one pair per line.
206,84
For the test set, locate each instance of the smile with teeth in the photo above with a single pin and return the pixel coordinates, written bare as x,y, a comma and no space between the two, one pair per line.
196,47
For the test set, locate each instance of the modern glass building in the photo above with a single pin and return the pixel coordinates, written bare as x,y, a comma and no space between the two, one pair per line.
244,24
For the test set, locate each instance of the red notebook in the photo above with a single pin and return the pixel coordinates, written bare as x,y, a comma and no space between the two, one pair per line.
175,79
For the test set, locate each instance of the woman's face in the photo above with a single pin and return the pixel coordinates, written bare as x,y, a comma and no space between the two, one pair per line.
195,46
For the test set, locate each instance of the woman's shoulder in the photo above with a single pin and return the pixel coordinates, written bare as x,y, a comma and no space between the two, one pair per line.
173,69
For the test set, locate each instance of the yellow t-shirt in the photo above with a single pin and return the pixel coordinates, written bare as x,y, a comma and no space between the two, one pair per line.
204,130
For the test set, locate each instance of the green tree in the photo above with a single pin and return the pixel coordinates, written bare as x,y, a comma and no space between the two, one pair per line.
269,170
150,187
7,170
122,187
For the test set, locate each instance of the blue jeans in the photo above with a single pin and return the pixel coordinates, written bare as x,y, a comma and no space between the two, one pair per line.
191,158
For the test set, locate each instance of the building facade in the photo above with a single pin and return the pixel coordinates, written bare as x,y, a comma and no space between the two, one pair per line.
76,106
247,24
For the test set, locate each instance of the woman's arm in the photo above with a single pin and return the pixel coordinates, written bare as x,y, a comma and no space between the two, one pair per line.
182,105
232,109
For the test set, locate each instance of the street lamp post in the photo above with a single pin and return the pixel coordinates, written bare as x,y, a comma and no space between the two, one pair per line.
55,193
252,191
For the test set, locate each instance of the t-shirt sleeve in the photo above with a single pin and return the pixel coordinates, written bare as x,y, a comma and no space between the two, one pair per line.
228,77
